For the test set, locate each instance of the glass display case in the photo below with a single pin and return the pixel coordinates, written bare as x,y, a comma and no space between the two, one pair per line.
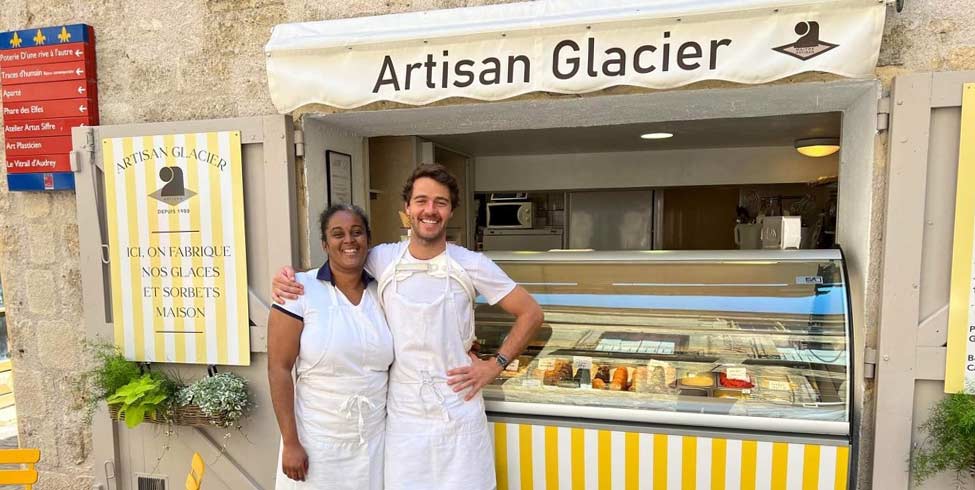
755,340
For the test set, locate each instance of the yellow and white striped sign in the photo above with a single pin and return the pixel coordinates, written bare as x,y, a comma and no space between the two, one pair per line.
960,368
538,457
176,242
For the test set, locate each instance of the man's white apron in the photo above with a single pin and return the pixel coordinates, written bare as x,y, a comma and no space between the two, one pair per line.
434,439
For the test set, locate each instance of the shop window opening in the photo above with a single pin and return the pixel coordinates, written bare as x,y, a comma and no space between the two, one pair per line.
716,184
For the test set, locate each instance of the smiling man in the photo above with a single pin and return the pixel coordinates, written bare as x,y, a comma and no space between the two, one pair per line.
436,432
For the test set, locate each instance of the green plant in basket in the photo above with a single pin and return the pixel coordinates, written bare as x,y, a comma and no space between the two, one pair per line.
108,371
147,395
950,444
223,397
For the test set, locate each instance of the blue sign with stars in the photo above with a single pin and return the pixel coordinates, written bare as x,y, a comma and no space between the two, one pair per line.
45,36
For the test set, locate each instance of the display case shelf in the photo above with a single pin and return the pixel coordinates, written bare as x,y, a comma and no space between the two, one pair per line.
755,340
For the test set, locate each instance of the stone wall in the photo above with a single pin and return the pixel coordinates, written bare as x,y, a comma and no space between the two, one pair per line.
196,59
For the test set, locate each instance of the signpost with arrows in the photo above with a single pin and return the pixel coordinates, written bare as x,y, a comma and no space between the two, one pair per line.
47,87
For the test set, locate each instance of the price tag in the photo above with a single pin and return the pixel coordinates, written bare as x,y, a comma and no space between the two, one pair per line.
809,280
629,345
546,364
779,386
581,362
532,383
513,366
648,347
739,373
657,363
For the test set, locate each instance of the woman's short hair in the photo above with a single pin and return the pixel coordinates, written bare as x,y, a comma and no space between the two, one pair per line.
335,208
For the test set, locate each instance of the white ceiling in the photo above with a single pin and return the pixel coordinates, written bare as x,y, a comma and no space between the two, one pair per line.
701,133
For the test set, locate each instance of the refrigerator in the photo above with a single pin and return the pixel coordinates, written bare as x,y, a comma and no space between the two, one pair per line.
614,220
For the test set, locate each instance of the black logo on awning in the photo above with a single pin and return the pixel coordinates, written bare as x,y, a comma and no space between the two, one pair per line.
808,45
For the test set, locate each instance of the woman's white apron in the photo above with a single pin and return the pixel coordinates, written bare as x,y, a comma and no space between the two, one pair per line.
341,418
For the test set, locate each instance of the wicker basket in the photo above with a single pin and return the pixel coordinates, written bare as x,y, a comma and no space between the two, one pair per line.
190,415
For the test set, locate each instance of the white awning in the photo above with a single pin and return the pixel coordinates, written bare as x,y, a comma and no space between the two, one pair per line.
567,46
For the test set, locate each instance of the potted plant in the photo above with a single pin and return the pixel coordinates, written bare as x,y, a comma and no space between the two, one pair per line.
950,441
221,400
150,395
109,371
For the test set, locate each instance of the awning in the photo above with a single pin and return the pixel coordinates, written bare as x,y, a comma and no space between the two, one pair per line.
567,46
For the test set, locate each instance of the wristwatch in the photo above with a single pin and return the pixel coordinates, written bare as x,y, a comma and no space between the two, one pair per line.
502,360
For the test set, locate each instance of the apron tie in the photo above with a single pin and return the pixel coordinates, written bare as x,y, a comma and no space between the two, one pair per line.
427,382
356,402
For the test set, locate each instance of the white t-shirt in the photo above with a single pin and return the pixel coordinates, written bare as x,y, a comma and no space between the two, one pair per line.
364,343
489,280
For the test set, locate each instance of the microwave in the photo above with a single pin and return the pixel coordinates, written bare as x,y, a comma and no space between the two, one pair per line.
510,214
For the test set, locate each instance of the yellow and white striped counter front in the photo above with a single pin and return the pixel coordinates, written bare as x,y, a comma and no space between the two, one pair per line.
539,457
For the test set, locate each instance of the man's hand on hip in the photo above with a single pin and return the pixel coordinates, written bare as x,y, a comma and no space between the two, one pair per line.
476,376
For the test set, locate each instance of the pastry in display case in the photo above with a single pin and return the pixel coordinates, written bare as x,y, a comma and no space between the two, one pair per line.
755,340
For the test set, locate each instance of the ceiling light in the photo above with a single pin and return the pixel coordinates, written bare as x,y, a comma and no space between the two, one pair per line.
656,136
818,147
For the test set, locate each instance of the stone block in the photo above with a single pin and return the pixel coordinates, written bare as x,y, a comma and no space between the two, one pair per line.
46,244
21,340
70,292
41,292
60,344
36,205
28,386
75,442
51,480
41,432
71,240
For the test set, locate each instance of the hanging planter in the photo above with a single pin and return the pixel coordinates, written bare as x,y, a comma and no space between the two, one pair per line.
220,400
134,396
189,416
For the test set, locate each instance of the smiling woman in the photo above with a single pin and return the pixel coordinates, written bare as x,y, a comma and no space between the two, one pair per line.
336,338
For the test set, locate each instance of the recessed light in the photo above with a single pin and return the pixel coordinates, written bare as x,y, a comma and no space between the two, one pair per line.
657,136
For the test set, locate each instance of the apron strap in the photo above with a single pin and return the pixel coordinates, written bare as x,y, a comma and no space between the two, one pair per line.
399,271
358,403
331,323
428,383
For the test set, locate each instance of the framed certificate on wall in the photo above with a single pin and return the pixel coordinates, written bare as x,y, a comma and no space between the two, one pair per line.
338,172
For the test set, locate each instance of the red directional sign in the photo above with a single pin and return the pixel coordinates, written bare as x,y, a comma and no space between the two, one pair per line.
46,109
46,127
47,91
58,53
47,87
50,145
51,72
34,164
